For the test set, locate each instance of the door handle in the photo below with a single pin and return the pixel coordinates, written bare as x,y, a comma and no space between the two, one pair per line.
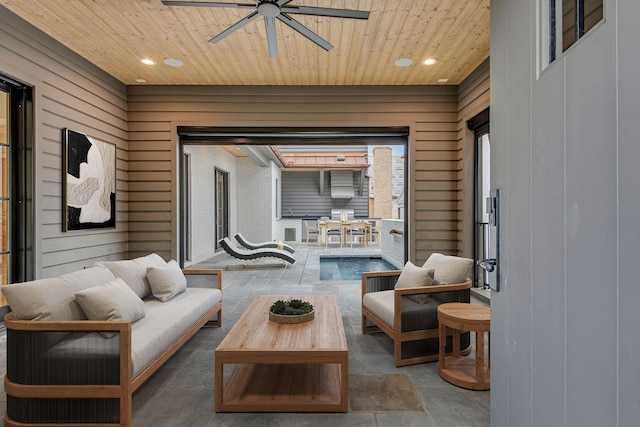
488,264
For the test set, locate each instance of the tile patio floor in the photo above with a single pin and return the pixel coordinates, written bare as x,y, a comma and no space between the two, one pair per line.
181,393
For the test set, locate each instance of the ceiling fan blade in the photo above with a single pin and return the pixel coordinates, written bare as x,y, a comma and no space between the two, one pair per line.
283,17
209,4
283,2
325,11
241,23
270,26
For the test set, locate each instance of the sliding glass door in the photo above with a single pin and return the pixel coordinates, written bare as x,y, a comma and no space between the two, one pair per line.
16,183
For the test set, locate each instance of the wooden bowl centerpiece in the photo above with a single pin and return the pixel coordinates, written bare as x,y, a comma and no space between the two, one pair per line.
292,311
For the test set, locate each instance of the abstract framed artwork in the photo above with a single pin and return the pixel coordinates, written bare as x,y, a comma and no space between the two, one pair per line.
89,182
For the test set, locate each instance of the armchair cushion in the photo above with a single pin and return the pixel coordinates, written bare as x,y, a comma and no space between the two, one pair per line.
449,269
166,281
381,303
413,276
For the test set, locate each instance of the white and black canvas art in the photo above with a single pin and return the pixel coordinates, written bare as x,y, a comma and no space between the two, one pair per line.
89,182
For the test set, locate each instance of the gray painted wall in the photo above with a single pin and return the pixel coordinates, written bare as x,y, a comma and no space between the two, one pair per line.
70,93
301,194
565,341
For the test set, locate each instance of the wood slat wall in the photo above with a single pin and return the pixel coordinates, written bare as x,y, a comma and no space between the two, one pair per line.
430,112
69,93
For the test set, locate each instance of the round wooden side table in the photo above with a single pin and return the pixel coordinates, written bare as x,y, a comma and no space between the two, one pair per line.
457,369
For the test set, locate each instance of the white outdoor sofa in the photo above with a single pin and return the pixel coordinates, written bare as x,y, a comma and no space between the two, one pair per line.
68,365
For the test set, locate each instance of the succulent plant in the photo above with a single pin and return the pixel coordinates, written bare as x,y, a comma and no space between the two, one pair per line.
291,307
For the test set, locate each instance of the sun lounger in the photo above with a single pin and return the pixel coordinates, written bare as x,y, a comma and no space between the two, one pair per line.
250,245
252,254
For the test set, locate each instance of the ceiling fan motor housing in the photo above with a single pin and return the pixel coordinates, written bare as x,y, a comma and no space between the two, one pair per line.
269,9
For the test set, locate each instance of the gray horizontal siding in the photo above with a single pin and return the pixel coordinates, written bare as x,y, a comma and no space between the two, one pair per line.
301,195
69,93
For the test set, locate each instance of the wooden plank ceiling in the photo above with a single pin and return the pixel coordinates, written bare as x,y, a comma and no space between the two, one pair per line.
116,34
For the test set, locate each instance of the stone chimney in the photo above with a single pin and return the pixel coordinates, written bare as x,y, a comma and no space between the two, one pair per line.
382,182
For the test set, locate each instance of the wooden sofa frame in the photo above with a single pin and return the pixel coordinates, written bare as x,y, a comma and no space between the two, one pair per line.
127,384
385,280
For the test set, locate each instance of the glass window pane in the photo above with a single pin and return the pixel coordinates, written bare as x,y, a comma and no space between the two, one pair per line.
593,13
4,99
569,23
4,170
4,226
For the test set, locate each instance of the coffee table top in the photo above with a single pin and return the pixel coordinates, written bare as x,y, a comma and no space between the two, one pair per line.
255,332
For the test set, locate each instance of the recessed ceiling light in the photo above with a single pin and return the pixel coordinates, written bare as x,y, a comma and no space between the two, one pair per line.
443,80
173,62
141,81
404,62
429,61
147,61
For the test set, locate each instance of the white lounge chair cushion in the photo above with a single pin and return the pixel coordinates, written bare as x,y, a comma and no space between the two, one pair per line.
166,281
112,301
54,299
134,272
413,276
449,269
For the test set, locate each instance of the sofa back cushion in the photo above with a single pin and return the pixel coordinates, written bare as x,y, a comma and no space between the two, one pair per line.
53,299
134,272
449,269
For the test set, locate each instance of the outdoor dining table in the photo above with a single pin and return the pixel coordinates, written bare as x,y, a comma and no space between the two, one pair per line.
344,226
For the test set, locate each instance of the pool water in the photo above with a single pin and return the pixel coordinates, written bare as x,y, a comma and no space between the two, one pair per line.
351,268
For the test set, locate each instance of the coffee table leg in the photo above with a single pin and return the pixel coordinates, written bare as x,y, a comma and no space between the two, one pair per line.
345,384
219,385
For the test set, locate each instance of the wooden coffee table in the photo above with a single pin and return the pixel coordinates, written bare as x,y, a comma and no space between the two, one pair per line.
284,368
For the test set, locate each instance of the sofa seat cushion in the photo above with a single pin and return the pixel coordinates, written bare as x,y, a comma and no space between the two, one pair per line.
54,298
164,323
415,315
134,271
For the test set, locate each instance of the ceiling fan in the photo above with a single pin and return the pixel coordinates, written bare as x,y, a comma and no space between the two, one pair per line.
271,10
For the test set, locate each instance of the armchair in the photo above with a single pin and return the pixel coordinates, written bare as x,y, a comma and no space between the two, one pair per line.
408,314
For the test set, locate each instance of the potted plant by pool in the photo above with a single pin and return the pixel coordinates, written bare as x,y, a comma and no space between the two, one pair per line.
291,311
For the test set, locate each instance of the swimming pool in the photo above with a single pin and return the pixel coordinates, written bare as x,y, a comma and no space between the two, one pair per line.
350,268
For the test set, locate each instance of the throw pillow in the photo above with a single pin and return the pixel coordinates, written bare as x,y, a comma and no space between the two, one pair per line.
134,271
449,269
53,298
112,301
413,276
166,282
